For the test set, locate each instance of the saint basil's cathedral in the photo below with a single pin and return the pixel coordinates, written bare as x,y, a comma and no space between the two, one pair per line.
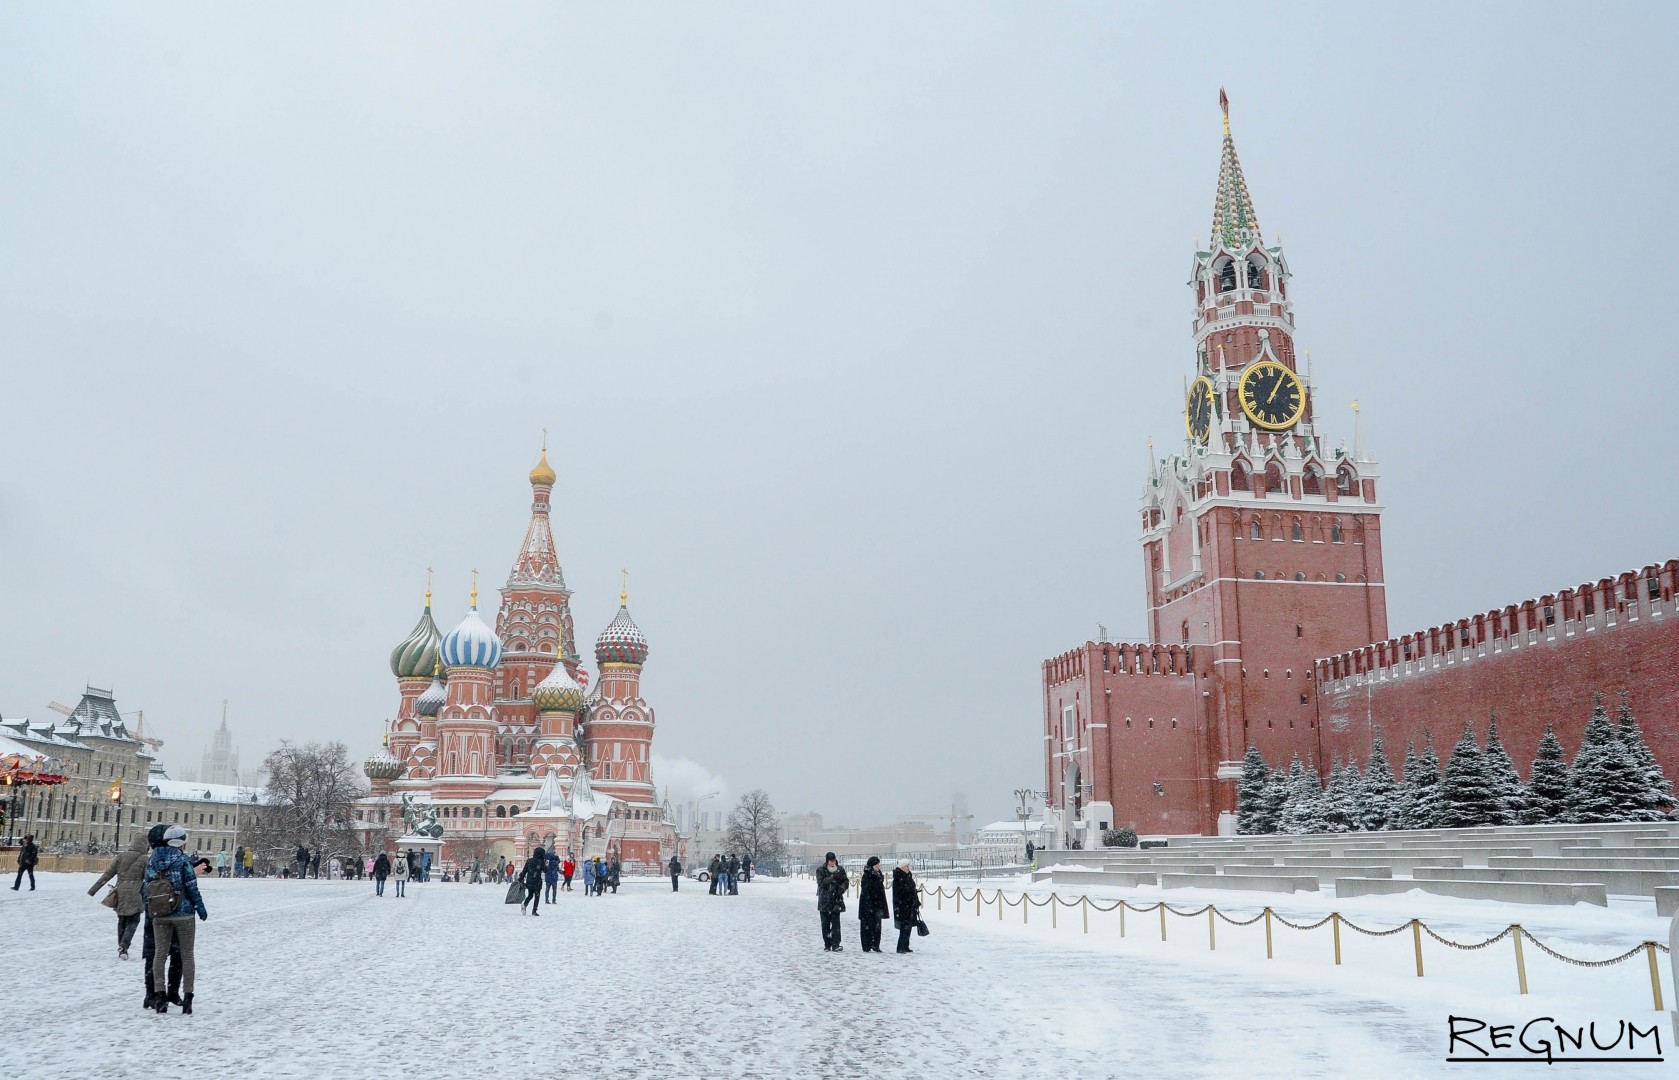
497,736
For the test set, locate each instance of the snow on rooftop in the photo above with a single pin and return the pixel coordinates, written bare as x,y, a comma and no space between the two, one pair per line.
165,788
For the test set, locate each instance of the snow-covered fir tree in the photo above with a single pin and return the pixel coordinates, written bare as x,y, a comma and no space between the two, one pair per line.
1468,795
1276,798
1250,795
1654,800
1604,784
1343,800
1547,783
1304,811
1381,793
1511,805
1422,787
1405,796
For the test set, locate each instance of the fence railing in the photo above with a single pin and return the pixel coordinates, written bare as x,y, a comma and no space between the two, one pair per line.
1335,920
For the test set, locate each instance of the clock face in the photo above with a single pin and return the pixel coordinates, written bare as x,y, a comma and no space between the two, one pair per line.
1198,410
1272,396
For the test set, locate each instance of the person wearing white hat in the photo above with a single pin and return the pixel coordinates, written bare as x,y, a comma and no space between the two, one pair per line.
172,899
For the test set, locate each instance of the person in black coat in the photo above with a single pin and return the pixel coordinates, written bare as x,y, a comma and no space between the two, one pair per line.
675,873
531,877
302,860
734,875
381,871
27,857
871,904
906,904
831,887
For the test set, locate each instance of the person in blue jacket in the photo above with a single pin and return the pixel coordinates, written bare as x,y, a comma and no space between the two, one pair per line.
170,862
551,875
588,877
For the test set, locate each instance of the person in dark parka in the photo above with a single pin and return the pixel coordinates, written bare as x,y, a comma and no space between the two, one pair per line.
551,876
831,886
871,904
531,877
27,857
675,873
906,904
381,871
148,943
734,875
716,872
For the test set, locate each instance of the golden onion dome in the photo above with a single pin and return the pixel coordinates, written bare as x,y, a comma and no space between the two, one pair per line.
543,474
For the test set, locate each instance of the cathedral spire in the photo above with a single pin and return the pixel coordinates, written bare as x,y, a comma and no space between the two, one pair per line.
1234,220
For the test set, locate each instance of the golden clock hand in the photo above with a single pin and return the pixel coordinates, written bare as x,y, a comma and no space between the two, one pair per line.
1274,389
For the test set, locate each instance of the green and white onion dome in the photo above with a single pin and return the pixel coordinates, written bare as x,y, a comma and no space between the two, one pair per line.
431,699
382,766
416,656
559,692
622,642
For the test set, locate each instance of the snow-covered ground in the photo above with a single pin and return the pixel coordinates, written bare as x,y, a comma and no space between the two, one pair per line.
307,979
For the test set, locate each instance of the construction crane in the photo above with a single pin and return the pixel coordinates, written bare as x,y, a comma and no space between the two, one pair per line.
140,727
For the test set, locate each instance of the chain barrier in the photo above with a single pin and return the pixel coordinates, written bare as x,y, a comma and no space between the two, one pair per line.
1515,931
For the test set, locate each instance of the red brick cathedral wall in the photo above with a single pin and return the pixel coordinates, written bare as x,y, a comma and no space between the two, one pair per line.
1532,670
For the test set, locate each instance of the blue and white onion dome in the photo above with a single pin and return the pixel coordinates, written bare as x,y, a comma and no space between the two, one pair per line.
471,644
382,766
431,699
559,692
622,642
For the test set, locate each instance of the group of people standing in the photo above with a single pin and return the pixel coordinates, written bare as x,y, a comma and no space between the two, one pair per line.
727,874
399,868
157,886
832,885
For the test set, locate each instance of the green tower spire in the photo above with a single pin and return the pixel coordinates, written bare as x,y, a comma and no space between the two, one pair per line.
1234,220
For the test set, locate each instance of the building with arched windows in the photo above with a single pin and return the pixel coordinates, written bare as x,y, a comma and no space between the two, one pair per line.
497,734
1267,605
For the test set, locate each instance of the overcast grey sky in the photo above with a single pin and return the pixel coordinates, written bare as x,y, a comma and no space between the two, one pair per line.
848,325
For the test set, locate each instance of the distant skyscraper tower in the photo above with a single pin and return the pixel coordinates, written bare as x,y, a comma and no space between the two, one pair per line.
221,760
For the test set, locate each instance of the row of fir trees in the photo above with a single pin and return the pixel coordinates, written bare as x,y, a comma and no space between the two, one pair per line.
1614,777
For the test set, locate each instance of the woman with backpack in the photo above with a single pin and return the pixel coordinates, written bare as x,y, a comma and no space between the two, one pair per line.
172,899
400,873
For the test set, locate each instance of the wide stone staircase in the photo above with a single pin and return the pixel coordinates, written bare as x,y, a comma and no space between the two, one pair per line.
1527,864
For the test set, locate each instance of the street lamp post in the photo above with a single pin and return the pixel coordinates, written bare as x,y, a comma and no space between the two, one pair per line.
699,802
116,800
1024,812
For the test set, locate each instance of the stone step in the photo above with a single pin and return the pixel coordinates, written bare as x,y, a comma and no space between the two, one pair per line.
1515,892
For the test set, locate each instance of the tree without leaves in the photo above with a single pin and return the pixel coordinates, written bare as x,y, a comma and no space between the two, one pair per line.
307,801
1547,785
755,830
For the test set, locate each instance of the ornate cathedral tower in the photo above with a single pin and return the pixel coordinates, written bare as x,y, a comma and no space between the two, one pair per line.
557,699
414,663
466,724
620,722
534,622
1260,543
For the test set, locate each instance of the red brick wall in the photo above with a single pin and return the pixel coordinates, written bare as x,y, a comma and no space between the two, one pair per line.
1550,680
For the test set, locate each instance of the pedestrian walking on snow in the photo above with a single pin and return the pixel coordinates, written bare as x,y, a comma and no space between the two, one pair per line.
831,886
27,856
551,876
588,877
171,890
381,871
302,860
613,870
400,873
716,872
129,868
675,873
221,863
871,904
734,875
906,904
568,868
171,989
250,862
746,868
531,878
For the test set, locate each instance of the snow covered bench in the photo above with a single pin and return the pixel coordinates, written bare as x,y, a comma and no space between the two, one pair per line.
1244,882
1514,892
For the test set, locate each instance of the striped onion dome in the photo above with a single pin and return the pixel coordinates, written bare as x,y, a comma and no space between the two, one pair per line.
471,644
416,656
431,700
622,642
382,766
559,692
